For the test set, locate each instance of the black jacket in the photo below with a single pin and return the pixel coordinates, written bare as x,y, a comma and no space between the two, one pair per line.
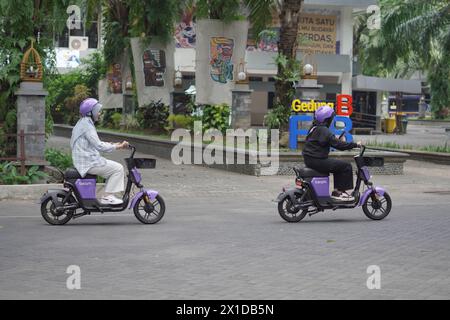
320,139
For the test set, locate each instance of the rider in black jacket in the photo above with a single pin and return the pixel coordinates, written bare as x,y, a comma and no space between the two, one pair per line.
316,150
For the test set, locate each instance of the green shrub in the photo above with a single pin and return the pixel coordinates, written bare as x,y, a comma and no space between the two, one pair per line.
271,120
216,117
9,174
129,122
116,119
58,159
180,121
11,121
105,120
153,116
277,117
2,142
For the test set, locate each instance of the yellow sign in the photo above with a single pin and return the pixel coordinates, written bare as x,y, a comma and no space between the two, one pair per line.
318,33
310,106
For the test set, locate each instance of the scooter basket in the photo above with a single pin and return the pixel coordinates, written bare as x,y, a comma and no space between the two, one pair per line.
141,163
370,161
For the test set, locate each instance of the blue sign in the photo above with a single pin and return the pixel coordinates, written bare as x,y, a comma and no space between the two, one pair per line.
295,132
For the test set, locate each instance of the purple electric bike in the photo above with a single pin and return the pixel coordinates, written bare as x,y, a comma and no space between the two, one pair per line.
60,206
312,193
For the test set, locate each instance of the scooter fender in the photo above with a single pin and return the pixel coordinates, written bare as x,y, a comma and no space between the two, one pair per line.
54,195
291,193
378,190
151,193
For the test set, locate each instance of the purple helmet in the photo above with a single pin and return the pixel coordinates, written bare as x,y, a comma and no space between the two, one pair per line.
323,114
87,106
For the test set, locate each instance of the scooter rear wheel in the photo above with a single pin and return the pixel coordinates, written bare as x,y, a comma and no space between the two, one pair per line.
288,212
149,213
379,208
48,211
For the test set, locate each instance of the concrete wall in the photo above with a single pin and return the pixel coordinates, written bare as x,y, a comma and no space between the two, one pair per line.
208,90
147,94
114,100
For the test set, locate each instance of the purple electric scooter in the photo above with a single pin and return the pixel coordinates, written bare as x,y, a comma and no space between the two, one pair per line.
312,193
60,206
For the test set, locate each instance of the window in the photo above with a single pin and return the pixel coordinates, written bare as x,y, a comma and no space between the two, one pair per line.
270,100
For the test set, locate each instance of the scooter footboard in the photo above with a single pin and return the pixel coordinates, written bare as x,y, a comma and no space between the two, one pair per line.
151,194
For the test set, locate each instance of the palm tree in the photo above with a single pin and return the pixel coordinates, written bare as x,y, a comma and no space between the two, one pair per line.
288,11
415,35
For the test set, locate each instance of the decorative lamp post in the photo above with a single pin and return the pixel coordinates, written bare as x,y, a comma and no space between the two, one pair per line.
31,65
309,70
241,72
31,109
178,78
129,84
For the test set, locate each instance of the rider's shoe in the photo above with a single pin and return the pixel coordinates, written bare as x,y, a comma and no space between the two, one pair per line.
342,196
110,199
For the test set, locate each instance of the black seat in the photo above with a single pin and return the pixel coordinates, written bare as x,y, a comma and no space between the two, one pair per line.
310,173
73,174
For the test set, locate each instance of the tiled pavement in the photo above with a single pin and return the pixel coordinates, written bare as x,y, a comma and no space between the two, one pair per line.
222,238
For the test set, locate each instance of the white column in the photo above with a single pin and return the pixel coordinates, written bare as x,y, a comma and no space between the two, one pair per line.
346,47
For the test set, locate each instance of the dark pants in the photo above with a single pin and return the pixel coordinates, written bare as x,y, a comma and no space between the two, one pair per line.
342,171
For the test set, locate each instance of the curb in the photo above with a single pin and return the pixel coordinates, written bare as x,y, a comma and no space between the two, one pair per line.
435,157
26,192
29,191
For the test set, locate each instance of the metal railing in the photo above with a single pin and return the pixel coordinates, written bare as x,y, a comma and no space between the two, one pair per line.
364,120
22,156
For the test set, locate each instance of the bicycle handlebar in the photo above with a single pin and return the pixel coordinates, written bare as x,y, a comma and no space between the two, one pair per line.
130,146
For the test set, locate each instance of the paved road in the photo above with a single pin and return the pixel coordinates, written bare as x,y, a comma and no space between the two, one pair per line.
222,238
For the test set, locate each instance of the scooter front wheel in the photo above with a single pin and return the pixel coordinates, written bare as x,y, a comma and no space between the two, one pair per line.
377,207
149,213
288,212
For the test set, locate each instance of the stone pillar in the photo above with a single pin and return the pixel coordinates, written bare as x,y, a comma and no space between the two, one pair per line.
31,119
240,109
128,103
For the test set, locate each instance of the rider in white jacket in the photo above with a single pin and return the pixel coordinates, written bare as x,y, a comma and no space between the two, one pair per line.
86,147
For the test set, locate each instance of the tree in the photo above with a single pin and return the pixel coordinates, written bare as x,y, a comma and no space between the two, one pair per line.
149,19
225,10
288,11
20,22
414,35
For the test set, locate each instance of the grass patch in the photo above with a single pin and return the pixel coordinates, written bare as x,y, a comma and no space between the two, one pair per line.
394,145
